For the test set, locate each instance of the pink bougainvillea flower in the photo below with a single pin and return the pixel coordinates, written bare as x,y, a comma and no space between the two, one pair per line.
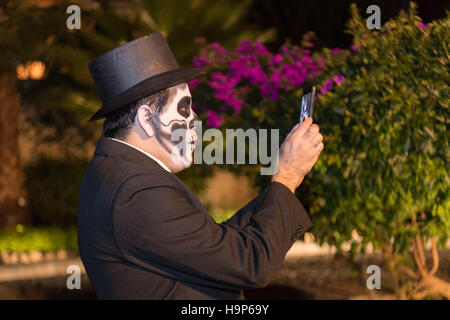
217,47
422,25
259,48
277,59
295,74
327,85
354,47
245,47
335,50
338,79
272,87
235,103
285,49
199,62
214,120
194,83
252,68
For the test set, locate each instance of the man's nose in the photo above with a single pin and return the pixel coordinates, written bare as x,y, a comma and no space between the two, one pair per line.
192,122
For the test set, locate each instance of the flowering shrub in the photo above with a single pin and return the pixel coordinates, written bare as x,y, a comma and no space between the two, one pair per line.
251,75
383,109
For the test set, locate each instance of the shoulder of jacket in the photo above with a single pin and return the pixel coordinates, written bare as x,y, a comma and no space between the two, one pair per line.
146,180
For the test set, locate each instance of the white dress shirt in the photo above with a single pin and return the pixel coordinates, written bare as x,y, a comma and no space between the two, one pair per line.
146,153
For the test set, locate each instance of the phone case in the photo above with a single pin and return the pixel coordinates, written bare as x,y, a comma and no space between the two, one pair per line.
307,107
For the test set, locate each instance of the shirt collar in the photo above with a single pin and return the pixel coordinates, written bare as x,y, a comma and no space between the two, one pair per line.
146,153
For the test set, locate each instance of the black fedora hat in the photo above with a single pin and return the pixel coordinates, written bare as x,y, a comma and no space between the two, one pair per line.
135,70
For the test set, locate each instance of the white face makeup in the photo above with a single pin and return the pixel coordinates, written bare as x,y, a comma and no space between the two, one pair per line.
174,126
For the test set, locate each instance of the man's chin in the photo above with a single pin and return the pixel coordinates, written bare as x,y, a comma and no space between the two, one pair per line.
182,163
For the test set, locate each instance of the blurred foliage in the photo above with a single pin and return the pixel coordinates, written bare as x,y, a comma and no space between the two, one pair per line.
23,239
53,187
66,96
183,21
386,153
223,215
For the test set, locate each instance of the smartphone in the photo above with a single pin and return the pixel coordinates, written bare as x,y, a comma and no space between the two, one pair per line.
307,105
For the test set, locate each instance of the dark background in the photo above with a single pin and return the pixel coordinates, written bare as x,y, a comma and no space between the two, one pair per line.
327,18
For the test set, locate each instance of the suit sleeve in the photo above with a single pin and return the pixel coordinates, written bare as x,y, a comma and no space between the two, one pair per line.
157,228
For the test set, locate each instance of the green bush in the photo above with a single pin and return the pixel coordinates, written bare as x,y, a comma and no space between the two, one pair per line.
23,239
384,169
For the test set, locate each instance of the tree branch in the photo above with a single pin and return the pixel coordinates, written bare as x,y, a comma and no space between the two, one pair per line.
417,260
420,251
435,255
410,272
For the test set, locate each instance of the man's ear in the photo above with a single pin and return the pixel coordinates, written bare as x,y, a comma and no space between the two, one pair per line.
144,118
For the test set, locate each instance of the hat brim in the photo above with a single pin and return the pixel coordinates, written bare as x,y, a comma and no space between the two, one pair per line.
147,87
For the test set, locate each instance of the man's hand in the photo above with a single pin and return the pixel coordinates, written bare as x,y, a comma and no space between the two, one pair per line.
298,154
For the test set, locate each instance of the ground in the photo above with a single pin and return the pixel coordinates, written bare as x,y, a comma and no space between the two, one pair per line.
315,277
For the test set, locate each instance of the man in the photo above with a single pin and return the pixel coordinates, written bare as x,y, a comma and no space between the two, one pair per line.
142,233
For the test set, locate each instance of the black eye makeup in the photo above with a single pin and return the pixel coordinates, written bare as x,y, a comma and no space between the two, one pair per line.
184,106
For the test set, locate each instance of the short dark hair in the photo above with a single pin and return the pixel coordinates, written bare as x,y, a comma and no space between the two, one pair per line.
118,124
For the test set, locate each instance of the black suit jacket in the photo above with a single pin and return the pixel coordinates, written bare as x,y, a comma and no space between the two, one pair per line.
143,234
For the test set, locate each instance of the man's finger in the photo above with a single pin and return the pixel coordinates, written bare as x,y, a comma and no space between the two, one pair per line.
318,138
319,147
312,130
303,127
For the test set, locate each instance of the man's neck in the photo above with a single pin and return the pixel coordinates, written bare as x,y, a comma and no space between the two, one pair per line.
147,152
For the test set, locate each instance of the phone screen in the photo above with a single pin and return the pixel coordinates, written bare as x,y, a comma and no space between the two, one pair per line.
307,105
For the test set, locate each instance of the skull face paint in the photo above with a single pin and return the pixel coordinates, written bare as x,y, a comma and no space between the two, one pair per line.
174,126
